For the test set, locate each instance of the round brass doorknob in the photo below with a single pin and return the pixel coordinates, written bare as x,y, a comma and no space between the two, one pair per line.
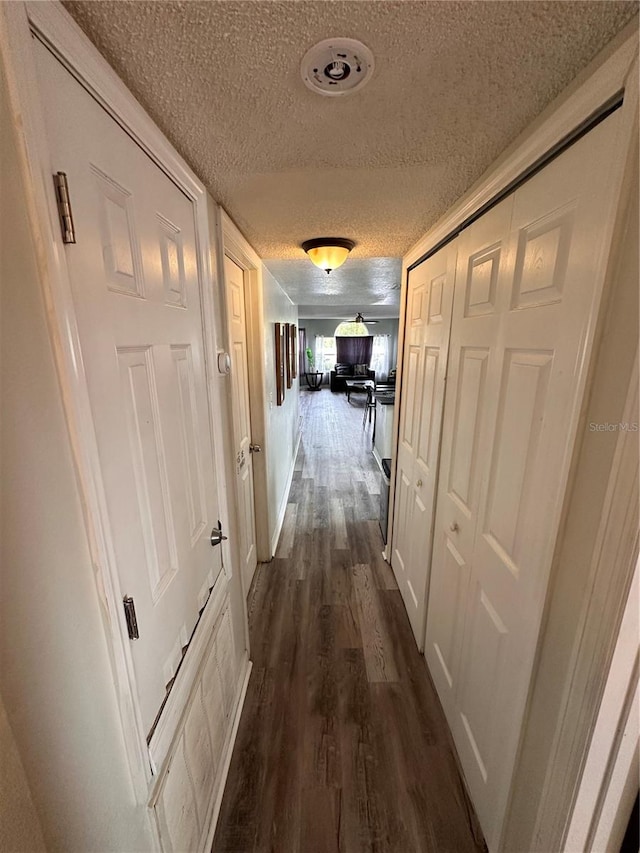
454,527
418,483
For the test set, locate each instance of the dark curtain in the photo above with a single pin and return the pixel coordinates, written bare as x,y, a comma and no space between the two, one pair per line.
356,350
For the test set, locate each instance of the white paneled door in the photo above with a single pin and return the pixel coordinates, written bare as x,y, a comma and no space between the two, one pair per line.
243,448
136,295
474,337
527,290
429,302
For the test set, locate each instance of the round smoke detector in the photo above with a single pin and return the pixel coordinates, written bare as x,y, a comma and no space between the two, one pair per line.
337,66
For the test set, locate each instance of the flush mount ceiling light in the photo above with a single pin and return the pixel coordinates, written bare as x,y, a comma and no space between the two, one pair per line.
352,328
337,66
328,253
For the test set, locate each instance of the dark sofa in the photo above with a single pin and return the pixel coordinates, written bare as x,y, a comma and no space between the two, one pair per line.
344,372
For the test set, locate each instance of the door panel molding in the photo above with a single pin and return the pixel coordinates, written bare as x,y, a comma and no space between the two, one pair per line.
418,452
539,353
54,27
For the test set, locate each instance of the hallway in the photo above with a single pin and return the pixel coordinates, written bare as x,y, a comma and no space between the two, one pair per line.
342,744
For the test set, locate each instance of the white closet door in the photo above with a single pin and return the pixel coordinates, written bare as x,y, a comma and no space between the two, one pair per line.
483,272
430,297
527,291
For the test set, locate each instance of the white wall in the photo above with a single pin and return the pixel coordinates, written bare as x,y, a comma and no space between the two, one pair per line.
283,423
56,681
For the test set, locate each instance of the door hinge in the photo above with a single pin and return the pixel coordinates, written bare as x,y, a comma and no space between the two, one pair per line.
64,207
130,616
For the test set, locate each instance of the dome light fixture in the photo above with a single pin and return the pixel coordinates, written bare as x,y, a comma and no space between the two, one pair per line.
328,253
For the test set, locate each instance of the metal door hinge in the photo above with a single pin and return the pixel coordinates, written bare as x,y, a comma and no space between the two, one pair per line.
64,207
130,616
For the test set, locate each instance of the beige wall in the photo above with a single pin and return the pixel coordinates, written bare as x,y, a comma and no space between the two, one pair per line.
19,825
56,681
282,421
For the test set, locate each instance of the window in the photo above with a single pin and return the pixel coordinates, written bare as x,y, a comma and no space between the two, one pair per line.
380,356
325,353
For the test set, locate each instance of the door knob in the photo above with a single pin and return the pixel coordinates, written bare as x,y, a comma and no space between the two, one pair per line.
216,536
255,448
454,527
418,484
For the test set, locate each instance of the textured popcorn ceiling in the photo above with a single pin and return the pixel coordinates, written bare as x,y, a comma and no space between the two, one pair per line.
360,282
454,84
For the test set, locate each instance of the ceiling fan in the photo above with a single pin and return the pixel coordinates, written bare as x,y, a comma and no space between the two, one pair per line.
359,319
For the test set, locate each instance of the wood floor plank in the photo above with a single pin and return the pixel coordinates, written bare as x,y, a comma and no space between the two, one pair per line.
338,524
378,651
372,479
342,745
365,542
320,820
348,634
301,554
288,533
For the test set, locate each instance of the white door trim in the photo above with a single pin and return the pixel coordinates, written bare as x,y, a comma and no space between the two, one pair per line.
236,247
609,783
614,559
56,28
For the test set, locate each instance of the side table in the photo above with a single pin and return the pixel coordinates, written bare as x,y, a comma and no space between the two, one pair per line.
314,380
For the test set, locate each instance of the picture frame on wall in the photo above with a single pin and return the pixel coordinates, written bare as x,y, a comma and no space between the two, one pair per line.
293,349
280,374
287,353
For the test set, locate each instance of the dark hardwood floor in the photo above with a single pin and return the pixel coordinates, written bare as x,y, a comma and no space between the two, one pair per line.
342,744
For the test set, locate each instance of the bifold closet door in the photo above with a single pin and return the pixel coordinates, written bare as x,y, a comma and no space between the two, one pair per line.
528,283
429,303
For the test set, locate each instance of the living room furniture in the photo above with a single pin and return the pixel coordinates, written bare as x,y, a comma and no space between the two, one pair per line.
347,372
370,410
314,380
358,386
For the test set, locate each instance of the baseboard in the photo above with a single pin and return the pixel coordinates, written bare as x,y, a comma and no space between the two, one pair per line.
283,506
229,752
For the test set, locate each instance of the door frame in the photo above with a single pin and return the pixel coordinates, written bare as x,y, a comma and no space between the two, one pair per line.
54,26
239,250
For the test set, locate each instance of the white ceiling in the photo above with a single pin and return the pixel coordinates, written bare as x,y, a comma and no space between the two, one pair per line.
454,84
370,285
